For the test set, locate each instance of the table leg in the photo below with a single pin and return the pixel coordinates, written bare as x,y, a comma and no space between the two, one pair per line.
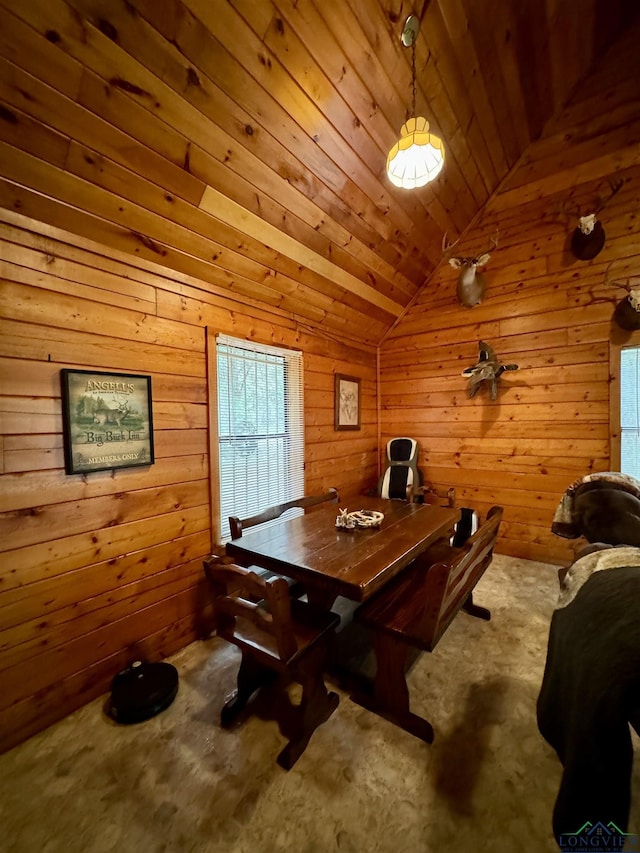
390,696
321,598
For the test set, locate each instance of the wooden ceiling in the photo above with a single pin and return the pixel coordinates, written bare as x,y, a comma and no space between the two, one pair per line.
242,143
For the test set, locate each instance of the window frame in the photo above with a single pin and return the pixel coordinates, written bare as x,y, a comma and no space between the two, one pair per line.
618,342
294,398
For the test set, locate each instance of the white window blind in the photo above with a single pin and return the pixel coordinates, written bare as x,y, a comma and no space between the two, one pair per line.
630,411
260,427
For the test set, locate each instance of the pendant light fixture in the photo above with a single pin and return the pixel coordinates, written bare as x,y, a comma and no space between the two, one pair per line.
418,156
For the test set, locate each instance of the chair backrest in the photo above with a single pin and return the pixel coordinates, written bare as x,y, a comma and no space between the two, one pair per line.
251,611
237,525
466,527
401,477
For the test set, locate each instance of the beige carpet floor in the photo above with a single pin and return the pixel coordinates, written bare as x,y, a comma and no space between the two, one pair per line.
180,783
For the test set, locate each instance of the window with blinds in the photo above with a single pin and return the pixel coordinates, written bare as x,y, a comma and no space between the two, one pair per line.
630,411
260,427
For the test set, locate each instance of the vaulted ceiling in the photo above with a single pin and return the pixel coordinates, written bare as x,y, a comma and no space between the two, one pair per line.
242,143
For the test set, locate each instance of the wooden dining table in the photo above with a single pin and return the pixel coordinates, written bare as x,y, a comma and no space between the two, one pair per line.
331,561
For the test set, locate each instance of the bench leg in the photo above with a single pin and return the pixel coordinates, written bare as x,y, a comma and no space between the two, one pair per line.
475,609
390,696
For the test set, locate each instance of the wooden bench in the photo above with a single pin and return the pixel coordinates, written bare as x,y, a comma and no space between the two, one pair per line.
238,525
414,610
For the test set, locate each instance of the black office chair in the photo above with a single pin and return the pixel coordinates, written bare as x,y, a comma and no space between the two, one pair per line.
403,480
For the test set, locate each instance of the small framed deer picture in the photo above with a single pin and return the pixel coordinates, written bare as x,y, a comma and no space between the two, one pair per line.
107,420
347,402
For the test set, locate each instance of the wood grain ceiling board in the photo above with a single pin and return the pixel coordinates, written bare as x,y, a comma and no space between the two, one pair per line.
243,142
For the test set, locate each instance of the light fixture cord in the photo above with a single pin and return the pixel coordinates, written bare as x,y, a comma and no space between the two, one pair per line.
413,77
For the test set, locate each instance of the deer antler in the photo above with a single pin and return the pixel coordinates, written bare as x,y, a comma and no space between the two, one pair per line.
631,283
563,209
614,186
494,240
447,247
575,211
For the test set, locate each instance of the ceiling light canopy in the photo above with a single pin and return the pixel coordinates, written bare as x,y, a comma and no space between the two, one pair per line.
418,156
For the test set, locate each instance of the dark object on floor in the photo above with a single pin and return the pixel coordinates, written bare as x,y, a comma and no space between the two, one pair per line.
414,610
141,691
590,693
278,635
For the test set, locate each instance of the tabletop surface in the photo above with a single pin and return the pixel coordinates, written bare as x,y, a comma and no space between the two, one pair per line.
352,563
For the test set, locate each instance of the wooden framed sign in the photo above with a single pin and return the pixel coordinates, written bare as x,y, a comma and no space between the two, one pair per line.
347,402
107,420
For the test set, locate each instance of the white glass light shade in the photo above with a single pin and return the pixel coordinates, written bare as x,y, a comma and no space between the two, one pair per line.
417,157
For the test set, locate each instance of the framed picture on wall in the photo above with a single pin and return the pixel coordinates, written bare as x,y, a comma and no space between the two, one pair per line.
347,402
107,420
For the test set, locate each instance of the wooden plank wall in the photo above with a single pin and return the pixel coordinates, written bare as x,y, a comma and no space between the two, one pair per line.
101,569
544,310
550,423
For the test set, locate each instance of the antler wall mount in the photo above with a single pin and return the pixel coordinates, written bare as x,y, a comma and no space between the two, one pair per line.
588,238
627,311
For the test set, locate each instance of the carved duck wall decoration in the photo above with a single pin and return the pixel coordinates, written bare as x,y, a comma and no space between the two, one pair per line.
488,369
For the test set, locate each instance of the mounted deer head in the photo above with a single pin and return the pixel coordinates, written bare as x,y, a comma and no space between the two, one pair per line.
470,288
588,238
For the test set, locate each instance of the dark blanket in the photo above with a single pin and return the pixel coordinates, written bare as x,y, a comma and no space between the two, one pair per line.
603,507
590,692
